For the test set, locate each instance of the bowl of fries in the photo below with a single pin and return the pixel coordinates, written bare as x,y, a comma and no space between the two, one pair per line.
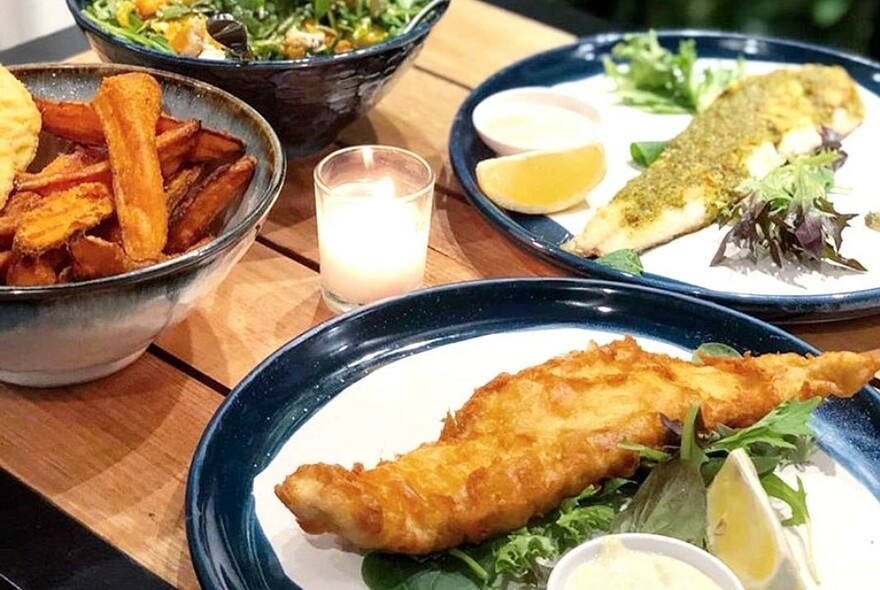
308,100
126,195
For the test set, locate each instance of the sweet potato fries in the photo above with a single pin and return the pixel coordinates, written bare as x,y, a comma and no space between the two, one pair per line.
136,187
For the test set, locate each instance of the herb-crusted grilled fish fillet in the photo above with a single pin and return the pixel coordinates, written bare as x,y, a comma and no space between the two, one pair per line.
524,442
748,131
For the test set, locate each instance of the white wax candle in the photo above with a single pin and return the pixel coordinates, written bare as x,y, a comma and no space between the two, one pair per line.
371,247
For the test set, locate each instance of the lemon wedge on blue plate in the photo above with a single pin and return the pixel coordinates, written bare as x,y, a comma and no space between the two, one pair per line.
542,181
745,532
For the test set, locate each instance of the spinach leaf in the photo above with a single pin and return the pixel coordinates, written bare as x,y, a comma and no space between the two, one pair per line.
623,260
446,571
645,152
671,501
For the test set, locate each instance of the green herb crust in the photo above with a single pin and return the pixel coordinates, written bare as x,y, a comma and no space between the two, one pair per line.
698,173
710,156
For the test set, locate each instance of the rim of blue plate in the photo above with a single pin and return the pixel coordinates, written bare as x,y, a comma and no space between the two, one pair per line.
226,237
223,570
780,308
284,64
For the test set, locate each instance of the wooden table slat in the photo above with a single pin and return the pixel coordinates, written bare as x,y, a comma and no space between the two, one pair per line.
114,454
475,39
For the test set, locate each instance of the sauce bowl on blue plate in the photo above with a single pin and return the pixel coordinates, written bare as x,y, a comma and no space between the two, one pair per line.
308,101
74,332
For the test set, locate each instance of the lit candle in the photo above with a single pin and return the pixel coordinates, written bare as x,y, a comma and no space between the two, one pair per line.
373,227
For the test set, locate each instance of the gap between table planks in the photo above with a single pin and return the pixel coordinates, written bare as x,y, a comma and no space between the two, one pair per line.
121,464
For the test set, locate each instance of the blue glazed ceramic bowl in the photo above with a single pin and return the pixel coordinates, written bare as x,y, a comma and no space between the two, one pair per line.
308,101
75,332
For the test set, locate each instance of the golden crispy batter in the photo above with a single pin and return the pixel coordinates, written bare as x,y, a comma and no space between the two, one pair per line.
20,124
134,158
524,442
56,217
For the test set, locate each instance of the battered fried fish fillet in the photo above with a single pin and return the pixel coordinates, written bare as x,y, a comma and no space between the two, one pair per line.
524,442
749,130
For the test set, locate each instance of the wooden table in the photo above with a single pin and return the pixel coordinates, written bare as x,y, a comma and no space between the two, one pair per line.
114,454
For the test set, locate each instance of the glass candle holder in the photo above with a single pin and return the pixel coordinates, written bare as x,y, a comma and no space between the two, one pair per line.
373,206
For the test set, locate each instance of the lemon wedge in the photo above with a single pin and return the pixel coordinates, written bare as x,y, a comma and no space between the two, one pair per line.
745,532
542,181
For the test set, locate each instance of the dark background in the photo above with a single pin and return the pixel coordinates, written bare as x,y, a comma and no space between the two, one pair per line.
850,25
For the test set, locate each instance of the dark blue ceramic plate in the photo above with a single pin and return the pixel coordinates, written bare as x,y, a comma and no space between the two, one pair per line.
541,235
228,546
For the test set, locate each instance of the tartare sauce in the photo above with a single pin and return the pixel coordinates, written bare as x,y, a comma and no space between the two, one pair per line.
541,127
624,569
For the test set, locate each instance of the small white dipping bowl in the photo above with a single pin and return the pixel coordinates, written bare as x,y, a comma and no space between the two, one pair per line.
527,99
692,555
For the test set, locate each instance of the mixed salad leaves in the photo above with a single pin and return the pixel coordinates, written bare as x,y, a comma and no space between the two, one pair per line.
787,215
667,495
660,81
276,29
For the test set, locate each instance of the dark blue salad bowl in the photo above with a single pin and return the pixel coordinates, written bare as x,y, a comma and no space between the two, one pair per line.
307,101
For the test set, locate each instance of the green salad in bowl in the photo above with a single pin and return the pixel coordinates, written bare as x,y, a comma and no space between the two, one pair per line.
274,29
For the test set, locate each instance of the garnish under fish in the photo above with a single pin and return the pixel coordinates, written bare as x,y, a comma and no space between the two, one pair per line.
524,442
752,128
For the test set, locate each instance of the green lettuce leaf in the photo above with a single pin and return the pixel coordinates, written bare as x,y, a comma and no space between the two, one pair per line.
645,152
671,501
625,260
